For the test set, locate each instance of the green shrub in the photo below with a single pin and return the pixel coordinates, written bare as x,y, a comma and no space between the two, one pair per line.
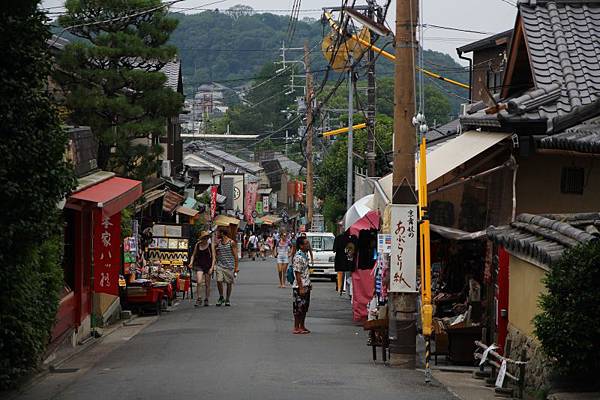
569,325
29,302
34,177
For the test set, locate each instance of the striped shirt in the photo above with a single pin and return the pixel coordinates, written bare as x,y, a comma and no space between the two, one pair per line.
225,257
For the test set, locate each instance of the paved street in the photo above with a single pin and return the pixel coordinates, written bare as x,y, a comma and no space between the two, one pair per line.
243,352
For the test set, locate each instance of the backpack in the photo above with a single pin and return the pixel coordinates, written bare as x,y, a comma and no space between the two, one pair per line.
291,277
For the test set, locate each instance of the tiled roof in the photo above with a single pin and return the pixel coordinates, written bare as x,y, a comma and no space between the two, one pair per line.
231,163
287,164
583,138
564,52
564,56
487,42
172,71
545,238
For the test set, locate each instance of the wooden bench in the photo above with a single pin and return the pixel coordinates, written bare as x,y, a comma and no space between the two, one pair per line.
378,337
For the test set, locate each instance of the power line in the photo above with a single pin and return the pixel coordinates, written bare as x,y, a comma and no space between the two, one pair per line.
450,28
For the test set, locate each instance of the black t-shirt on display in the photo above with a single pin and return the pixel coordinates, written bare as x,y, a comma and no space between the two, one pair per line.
346,251
367,249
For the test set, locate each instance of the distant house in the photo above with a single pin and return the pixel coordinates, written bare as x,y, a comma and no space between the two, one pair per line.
487,64
172,143
236,173
550,102
282,173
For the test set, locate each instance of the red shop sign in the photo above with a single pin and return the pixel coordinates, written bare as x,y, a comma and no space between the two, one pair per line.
107,253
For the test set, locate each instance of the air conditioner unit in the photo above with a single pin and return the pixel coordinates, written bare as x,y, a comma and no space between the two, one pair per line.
166,169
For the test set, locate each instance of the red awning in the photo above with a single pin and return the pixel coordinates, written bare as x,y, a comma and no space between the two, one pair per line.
111,195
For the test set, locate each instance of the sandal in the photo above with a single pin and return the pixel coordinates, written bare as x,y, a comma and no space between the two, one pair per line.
296,331
304,331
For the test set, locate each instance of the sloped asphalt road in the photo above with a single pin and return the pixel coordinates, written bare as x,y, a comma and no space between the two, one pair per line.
245,351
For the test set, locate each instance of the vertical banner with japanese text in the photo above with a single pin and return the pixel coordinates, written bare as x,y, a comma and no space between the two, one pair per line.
265,201
251,189
403,260
107,253
213,201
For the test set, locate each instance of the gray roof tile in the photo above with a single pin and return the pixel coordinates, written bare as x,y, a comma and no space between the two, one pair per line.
583,138
172,71
545,237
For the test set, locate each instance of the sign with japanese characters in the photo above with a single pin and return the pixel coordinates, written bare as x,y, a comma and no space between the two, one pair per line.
107,253
403,260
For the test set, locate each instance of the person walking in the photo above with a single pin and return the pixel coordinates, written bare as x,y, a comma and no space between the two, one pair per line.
227,265
245,241
270,243
202,262
302,286
253,246
282,253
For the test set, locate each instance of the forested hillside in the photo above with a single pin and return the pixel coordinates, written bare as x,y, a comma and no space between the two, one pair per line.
233,47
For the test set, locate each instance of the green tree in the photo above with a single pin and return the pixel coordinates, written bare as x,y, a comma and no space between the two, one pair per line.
263,104
114,81
331,172
34,178
569,323
437,106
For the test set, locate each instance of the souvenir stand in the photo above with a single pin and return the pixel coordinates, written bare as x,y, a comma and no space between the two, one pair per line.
458,289
160,271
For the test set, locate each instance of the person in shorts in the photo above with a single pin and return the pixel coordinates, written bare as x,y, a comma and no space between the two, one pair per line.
302,286
282,254
203,265
226,264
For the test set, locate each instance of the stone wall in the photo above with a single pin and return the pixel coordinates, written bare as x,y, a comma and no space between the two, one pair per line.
538,369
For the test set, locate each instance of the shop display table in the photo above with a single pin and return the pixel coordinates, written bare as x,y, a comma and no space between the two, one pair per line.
145,298
378,337
460,343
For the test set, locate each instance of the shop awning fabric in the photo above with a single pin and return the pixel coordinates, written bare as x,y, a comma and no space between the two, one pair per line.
452,154
190,212
111,195
224,220
271,219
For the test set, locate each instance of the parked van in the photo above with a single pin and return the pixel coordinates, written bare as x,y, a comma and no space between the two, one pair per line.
322,247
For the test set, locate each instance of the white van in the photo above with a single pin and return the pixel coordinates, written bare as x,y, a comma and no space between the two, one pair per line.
322,247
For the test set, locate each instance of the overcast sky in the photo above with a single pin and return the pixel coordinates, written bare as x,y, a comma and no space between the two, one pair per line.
480,15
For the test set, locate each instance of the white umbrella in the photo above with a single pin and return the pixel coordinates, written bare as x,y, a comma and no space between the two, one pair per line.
358,210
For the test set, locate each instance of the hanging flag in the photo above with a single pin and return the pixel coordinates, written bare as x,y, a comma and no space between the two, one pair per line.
251,189
213,202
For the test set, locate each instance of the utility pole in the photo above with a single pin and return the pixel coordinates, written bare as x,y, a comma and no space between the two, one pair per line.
404,304
350,174
309,137
370,156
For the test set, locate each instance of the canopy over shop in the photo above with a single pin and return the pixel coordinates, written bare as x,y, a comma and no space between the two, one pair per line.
92,251
460,190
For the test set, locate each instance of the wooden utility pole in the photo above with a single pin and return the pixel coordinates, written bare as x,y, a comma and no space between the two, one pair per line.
309,137
370,156
404,305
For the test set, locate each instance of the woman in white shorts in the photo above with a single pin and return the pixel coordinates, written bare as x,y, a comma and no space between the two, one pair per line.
282,253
